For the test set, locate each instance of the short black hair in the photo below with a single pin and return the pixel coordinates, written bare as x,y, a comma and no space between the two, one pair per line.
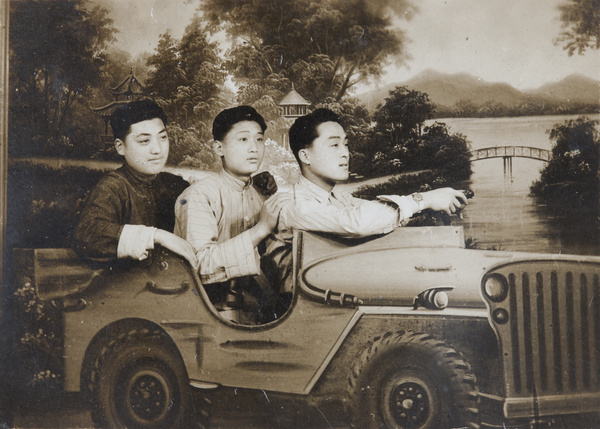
224,121
131,113
304,130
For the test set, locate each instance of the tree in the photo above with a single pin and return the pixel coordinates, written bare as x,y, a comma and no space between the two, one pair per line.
57,50
581,21
186,77
450,153
402,114
166,75
575,153
570,183
325,47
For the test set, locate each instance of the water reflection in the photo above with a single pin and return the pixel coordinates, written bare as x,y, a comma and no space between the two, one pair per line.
503,215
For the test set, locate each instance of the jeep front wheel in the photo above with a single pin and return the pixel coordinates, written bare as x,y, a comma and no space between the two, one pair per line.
140,381
408,380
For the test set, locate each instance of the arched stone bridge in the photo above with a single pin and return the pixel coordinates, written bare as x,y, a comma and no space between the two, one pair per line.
510,152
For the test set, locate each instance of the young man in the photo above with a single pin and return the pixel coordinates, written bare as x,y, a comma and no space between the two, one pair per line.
131,209
318,142
225,217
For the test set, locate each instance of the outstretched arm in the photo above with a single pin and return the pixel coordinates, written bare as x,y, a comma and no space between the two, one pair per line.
352,217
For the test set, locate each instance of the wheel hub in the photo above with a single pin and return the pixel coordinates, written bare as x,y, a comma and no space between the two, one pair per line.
409,404
148,395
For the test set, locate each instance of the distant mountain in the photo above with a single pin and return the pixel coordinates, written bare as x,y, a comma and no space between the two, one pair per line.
574,87
448,89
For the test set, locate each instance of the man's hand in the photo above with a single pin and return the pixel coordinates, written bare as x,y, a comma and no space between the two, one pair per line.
177,245
447,200
268,216
265,183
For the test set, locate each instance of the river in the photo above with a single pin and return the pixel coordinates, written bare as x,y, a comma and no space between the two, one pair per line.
503,215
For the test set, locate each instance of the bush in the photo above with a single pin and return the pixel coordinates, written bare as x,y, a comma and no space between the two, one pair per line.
37,351
401,185
570,182
281,163
43,203
187,149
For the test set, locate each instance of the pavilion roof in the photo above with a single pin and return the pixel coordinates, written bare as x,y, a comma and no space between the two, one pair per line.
109,109
131,85
293,98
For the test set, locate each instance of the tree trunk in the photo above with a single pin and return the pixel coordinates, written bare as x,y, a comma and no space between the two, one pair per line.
345,85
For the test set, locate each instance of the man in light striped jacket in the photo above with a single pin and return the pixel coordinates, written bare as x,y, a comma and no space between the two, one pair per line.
225,216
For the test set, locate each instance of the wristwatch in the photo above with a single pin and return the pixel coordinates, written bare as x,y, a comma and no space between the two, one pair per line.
418,198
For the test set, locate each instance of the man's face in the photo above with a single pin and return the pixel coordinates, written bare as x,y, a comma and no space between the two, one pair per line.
327,158
242,149
146,147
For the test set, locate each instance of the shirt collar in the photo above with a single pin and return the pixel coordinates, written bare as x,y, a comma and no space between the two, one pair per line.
136,176
233,182
319,193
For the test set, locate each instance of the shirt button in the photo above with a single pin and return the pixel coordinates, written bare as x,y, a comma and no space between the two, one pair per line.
247,219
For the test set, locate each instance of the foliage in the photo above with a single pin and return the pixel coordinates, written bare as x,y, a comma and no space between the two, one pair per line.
402,114
186,78
117,66
449,155
50,73
492,109
395,134
398,141
325,47
269,109
581,21
400,185
281,163
37,350
43,203
166,75
187,148
570,182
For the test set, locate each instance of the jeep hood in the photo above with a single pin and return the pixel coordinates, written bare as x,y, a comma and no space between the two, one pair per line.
394,269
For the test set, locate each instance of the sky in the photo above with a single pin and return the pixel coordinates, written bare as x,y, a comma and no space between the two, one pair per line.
496,40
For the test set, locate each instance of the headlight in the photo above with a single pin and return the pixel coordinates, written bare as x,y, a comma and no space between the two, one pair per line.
434,298
440,300
496,287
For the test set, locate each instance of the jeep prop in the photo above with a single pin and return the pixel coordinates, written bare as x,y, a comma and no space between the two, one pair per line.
408,330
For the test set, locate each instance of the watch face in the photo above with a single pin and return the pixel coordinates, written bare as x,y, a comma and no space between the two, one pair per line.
417,197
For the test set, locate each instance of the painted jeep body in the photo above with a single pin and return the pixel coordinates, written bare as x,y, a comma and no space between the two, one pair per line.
533,347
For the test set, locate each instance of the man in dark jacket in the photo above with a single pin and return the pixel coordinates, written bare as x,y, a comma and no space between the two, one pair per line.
131,209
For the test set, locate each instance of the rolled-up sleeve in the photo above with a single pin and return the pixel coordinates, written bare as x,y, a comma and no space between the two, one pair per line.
197,221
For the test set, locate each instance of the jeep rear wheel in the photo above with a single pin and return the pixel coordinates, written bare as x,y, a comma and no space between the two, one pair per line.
140,381
408,380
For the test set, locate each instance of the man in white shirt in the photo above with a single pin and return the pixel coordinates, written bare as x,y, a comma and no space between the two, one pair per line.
319,143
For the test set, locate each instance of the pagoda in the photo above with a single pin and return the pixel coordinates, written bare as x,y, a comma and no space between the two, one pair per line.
127,91
293,105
